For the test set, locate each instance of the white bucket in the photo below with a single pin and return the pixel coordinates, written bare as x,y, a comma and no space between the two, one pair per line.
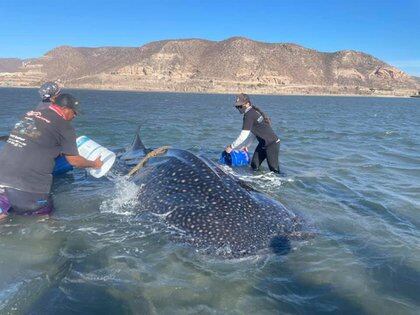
91,150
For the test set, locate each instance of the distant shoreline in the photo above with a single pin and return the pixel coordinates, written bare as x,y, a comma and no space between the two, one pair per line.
212,92
229,66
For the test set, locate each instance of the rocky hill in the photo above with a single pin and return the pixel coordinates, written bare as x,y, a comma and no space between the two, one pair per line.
195,65
10,64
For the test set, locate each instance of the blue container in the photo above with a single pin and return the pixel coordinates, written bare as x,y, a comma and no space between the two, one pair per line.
235,158
61,166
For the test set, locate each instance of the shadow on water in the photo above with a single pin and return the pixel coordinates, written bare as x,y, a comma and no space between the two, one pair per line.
32,289
392,273
360,204
91,299
285,291
89,286
392,279
395,277
317,285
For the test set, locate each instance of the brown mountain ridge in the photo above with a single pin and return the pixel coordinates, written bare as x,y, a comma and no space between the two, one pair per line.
196,65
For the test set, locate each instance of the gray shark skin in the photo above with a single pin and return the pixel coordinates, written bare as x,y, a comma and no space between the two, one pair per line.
211,209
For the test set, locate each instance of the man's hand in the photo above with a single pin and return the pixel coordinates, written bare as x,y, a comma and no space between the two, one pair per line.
244,149
97,163
81,162
228,149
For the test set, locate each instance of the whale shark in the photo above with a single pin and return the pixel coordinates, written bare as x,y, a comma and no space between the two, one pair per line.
209,208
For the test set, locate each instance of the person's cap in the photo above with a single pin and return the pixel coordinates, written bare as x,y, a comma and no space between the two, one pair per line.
241,99
67,100
48,90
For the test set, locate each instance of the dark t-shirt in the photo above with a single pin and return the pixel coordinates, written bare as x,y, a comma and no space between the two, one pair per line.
254,122
43,105
27,159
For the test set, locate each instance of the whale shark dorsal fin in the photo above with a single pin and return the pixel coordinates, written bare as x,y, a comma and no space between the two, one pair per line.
137,144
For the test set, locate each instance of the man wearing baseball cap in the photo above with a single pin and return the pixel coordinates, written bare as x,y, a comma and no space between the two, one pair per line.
27,159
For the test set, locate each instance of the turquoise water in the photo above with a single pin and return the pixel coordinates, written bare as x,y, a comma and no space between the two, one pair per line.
351,168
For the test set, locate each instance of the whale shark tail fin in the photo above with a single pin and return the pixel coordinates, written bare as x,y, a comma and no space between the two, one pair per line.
137,144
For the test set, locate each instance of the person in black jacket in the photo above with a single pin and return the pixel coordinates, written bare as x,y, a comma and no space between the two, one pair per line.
257,125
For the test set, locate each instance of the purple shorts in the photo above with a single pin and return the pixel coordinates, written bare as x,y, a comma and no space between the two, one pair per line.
25,203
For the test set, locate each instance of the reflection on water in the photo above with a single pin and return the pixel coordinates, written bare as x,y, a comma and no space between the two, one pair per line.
350,167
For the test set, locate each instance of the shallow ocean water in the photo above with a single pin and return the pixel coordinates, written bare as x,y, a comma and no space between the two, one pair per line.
351,168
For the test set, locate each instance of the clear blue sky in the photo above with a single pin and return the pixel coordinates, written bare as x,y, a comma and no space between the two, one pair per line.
389,30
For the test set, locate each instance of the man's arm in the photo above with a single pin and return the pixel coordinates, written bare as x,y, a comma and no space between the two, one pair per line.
80,162
246,130
249,141
69,149
241,139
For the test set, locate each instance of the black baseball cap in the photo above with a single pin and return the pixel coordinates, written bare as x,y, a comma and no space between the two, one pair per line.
67,100
241,99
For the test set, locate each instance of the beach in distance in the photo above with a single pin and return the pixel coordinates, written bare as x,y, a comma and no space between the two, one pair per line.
349,167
